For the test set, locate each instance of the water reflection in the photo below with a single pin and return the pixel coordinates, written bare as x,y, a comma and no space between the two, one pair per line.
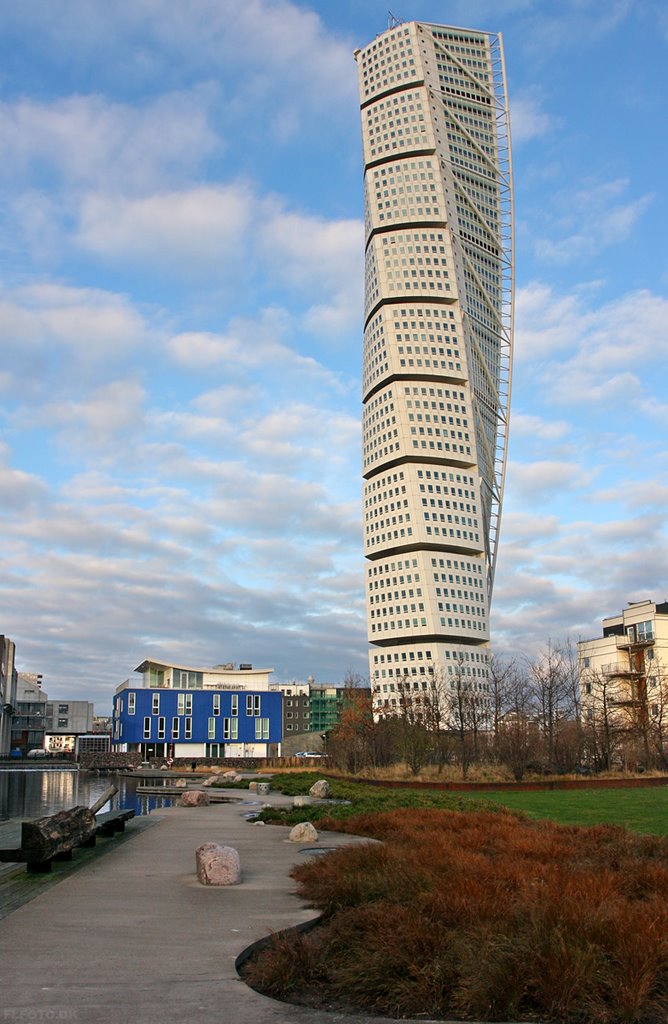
33,792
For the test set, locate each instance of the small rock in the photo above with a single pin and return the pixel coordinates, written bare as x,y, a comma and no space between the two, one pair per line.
210,781
304,832
217,865
195,798
181,783
258,822
320,789
252,787
301,801
231,774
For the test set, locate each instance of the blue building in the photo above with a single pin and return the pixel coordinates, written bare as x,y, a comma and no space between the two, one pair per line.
180,718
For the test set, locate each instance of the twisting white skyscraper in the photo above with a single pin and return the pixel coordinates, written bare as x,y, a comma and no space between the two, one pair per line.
438,328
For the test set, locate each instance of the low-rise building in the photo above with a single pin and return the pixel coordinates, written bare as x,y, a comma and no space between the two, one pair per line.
66,720
296,707
624,683
29,719
185,711
325,706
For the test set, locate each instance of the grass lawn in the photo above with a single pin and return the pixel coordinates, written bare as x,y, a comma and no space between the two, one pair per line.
641,810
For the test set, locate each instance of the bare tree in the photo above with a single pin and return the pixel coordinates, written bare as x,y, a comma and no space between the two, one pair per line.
657,708
517,738
502,672
553,697
416,740
436,715
461,716
605,725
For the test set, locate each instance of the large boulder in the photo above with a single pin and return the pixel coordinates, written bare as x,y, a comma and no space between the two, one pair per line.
302,801
217,865
210,781
195,798
320,789
304,832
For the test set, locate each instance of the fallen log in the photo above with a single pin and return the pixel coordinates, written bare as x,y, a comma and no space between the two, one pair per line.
45,838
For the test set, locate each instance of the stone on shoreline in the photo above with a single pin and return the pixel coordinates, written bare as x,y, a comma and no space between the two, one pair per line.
304,832
195,798
320,789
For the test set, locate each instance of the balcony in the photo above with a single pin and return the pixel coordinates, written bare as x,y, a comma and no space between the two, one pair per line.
642,640
619,671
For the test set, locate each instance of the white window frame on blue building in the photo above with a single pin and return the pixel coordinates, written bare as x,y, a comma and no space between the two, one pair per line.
175,728
261,728
252,705
211,729
230,728
132,703
147,728
188,729
155,709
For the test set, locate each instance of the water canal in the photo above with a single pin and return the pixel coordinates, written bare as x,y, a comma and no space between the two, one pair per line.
32,792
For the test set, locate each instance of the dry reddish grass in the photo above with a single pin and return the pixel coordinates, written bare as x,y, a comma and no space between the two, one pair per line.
483,916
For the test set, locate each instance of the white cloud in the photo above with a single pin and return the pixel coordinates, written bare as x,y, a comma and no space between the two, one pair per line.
544,479
198,231
611,347
56,337
526,425
527,120
601,217
92,142
270,46
109,414
563,580
259,344
306,250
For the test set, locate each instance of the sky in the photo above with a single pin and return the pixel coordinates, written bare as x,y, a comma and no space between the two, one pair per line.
181,329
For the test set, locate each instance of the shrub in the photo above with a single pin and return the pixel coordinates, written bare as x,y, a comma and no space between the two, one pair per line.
486,916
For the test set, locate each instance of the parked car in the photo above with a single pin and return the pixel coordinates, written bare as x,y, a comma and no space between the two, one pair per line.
37,752
307,753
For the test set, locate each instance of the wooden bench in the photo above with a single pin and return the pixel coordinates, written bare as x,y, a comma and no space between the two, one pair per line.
57,835
111,822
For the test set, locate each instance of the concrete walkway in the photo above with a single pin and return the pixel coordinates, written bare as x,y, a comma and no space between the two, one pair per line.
133,937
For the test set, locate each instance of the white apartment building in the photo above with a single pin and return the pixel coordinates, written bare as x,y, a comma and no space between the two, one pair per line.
624,673
438,328
165,674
